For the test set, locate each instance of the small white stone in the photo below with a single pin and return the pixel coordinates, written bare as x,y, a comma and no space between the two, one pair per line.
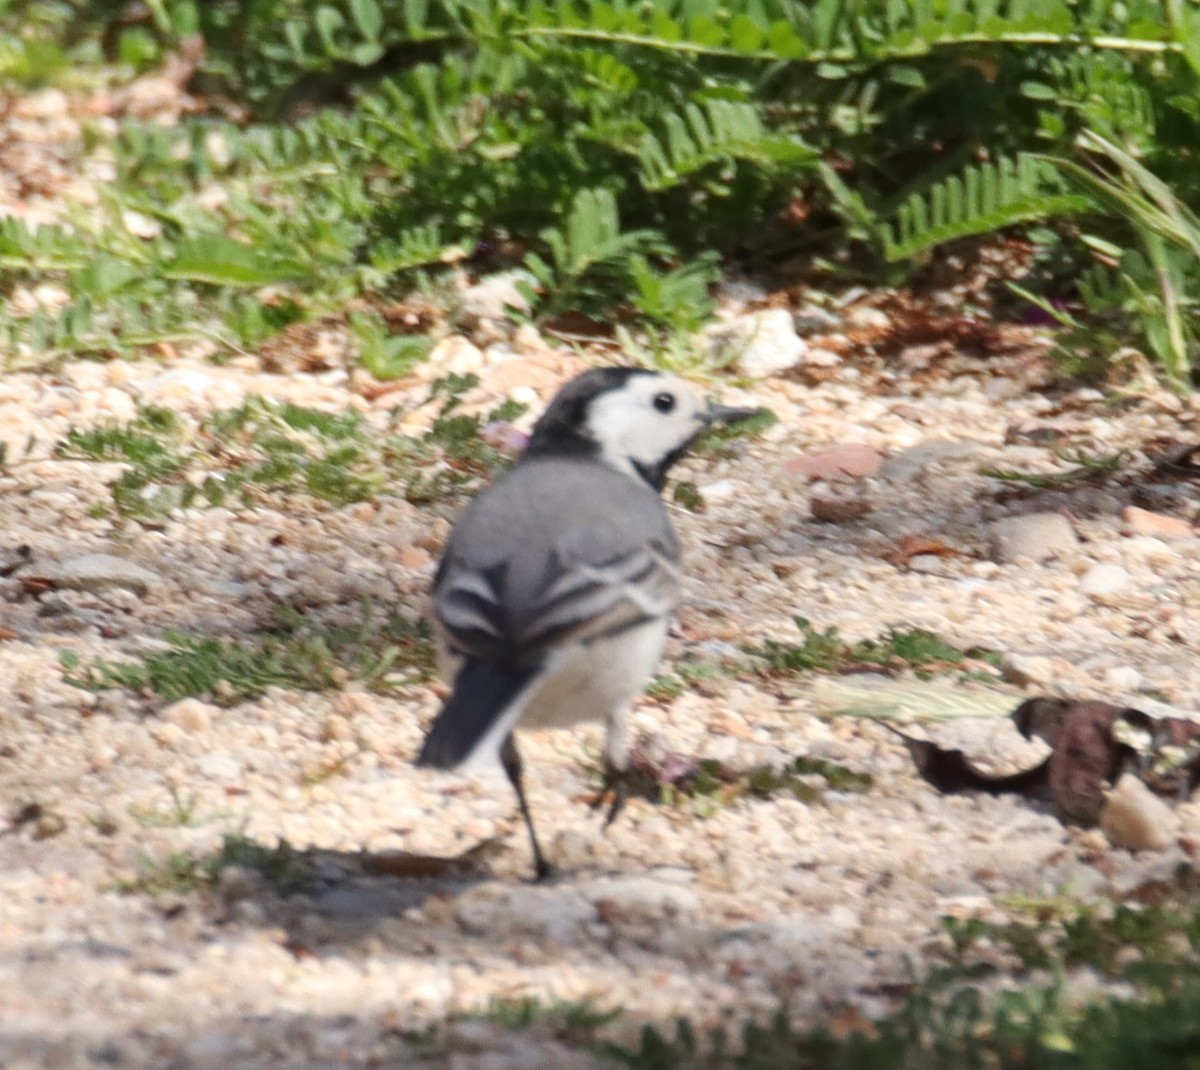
141,225
866,318
1123,678
719,491
100,572
1036,536
762,343
219,765
1029,669
493,297
190,714
1136,819
456,355
1104,579
50,296
642,898
822,358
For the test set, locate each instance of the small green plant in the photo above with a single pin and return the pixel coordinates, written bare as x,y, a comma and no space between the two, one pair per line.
718,441
1085,468
183,873
1106,936
687,495
570,1021
900,648
237,458
589,260
707,784
1162,281
688,674
379,653
385,355
454,456
181,813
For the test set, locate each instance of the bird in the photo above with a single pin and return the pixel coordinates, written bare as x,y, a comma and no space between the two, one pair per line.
553,595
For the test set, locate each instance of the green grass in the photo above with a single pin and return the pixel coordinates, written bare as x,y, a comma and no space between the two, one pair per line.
1084,468
573,1022
705,785
379,652
955,1018
898,648
264,451
179,813
183,873
670,685
355,151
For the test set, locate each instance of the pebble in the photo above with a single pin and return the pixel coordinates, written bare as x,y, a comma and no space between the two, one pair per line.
812,319
1122,679
1027,669
1136,819
1035,536
641,899
1143,522
867,318
219,766
762,343
819,357
721,490
102,572
908,464
839,508
552,915
190,714
831,462
930,564
456,355
1104,579
493,297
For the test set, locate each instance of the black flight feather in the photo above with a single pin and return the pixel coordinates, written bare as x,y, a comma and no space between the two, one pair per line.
482,691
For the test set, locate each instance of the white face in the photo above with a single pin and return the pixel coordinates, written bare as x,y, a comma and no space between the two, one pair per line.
646,421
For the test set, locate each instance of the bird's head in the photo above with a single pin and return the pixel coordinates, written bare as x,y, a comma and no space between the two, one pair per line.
633,419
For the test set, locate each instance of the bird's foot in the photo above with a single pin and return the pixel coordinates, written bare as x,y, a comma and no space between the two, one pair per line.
616,784
542,870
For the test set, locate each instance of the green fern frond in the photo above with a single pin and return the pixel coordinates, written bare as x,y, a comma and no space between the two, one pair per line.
836,32
412,248
983,199
709,133
24,248
592,236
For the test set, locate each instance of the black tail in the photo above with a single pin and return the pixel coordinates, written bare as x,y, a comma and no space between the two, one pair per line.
482,692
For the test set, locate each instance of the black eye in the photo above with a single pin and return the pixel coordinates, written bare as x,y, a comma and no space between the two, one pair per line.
664,402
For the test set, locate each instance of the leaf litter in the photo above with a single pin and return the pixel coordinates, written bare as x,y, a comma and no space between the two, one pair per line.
1091,744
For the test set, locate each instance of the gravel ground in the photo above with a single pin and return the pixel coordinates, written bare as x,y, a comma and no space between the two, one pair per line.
675,911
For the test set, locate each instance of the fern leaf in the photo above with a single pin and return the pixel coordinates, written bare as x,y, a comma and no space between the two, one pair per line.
39,249
416,247
716,131
984,198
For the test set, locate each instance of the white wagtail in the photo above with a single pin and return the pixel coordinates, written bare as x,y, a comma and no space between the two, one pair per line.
552,598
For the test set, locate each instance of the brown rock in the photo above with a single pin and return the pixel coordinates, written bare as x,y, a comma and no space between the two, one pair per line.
415,557
839,508
849,459
1144,522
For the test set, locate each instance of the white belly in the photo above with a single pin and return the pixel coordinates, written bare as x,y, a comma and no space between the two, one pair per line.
597,681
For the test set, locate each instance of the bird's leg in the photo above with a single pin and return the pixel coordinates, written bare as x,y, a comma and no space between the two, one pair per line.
616,773
510,758
616,780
